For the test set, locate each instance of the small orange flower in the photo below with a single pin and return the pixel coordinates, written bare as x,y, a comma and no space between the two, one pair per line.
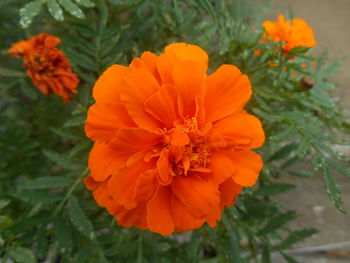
46,65
172,145
294,33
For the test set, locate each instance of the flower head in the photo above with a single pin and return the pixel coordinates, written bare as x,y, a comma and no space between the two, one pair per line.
294,33
172,145
46,65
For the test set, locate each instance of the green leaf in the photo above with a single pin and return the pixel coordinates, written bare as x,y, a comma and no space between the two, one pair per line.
273,189
61,160
83,254
345,170
42,248
234,246
283,152
266,254
332,189
303,148
55,10
295,237
302,173
299,50
75,121
86,3
79,219
46,182
276,222
22,255
4,203
63,235
72,8
288,258
29,11
5,72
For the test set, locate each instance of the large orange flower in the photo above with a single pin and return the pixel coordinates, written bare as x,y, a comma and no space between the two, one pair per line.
295,33
46,65
172,145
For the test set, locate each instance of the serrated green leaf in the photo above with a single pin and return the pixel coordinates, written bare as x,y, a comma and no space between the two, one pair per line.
345,170
332,189
302,173
22,255
75,121
283,152
34,198
46,182
63,235
234,255
55,10
85,3
79,219
296,236
273,189
29,11
6,72
276,222
303,148
61,160
284,135
72,8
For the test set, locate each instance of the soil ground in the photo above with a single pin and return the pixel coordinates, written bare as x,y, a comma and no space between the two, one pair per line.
330,20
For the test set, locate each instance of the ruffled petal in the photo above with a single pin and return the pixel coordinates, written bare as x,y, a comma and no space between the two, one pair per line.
129,141
103,161
164,167
163,106
183,219
107,87
229,191
105,119
189,84
240,130
159,216
123,183
148,61
139,85
228,90
242,165
196,194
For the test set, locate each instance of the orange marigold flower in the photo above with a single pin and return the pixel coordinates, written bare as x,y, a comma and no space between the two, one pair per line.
294,33
46,65
172,145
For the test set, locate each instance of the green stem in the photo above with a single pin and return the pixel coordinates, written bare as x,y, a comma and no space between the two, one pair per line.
69,193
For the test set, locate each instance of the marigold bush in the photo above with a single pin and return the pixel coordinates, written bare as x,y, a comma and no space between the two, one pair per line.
169,137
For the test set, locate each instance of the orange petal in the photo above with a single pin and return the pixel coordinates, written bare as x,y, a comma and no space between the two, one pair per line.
196,194
133,217
189,84
242,165
163,105
146,184
164,167
179,52
213,216
183,219
101,194
240,130
103,161
229,191
122,185
147,61
132,140
107,87
228,90
90,183
139,85
159,216
105,119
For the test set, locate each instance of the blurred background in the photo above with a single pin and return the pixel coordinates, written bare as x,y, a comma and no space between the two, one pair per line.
330,20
